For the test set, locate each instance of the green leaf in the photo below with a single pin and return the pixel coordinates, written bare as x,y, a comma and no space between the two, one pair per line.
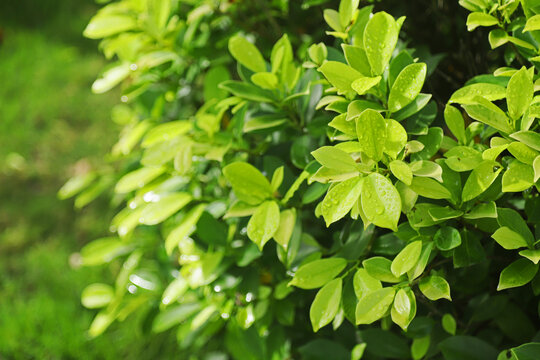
420,347
249,185
317,273
456,124
466,348
340,199
381,202
536,168
374,305
363,84
476,19
172,316
76,184
318,53
480,179
184,228
103,250
467,94
403,308
287,219
398,63
429,188
110,78
529,138
97,295
402,171
332,18
518,177
163,208
407,86
364,283
449,324
425,168
447,238
513,220
432,142
357,58
340,75
532,24
174,290
486,112
435,287
518,273
380,39
212,79
522,152
486,210
326,304
528,351
334,158
247,91
263,223
497,38
519,93
396,138
418,104
371,131
103,25
509,239
422,262
406,259
138,178
246,54
379,268
533,255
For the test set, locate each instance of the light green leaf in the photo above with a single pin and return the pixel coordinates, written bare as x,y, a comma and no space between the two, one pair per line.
380,201
497,37
247,91
76,184
277,178
403,308
326,304
467,94
422,262
402,171
444,213
340,199
364,283
456,124
518,177
406,259
380,39
172,316
476,19
334,158
249,185
97,295
518,273
519,93
447,238
374,305
480,179
332,18
347,8
529,138
486,210
449,324
486,112
531,254
138,178
509,239
379,268
340,75
103,25
110,78
263,223
246,54
163,208
532,24
265,80
103,250
287,219
435,287
396,138
317,273
371,131
407,86
318,53
363,84
429,188
184,228
426,168
420,347
357,58
174,290
522,152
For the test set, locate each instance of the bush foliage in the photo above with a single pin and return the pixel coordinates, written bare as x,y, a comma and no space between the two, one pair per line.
307,198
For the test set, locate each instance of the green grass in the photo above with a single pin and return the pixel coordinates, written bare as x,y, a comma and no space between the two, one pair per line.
49,121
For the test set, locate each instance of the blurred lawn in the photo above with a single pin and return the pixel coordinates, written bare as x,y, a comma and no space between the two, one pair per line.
48,121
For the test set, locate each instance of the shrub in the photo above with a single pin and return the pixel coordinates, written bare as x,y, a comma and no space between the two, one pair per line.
275,209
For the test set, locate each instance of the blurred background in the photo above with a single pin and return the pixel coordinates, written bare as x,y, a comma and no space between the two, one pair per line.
49,121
